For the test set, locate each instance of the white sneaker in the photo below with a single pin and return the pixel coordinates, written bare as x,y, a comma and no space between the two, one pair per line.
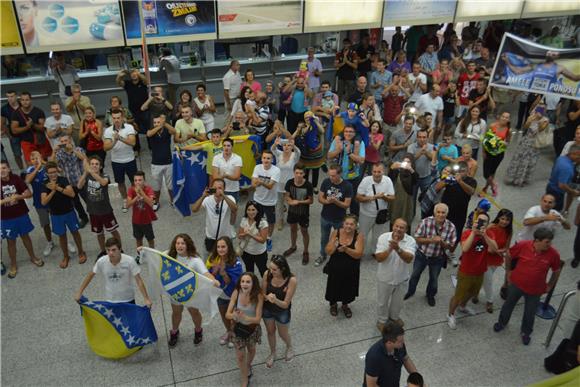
72,248
48,249
451,321
466,310
454,280
155,206
124,208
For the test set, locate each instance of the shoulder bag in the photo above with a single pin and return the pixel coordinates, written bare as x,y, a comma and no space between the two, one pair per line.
382,215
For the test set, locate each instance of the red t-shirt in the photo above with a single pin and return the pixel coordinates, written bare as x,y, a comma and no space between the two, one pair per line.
142,212
532,267
392,108
473,261
465,84
14,186
500,236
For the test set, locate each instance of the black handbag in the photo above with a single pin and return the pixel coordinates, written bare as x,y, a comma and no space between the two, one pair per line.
382,215
244,331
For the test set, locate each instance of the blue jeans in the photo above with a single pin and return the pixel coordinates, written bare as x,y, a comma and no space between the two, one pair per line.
531,303
325,227
423,183
421,262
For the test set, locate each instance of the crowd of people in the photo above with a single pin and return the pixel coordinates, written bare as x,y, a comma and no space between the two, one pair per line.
403,133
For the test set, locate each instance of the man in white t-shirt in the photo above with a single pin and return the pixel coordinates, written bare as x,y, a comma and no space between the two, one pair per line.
431,102
418,82
542,216
264,180
232,85
373,194
120,272
119,139
220,212
395,252
57,124
228,166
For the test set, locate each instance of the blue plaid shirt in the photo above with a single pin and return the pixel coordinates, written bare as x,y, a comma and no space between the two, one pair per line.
70,164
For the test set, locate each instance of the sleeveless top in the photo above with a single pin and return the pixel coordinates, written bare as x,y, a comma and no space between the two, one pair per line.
92,143
280,293
249,310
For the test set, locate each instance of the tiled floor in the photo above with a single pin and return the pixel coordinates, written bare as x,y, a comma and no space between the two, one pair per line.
43,339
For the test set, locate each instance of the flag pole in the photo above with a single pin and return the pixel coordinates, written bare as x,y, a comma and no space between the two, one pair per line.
144,46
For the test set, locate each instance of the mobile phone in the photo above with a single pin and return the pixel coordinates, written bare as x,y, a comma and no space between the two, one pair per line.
404,164
540,110
155,94
212,191
236,125
480,223
284,141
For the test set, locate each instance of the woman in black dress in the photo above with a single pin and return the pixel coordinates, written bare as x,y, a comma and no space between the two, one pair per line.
345,247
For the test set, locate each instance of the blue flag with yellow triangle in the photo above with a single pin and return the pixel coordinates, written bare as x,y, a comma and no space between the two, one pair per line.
117,330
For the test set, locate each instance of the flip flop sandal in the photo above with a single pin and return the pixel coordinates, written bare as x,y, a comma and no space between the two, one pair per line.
347,311
270,361
12,273
37,262
334,310
82,258
63,264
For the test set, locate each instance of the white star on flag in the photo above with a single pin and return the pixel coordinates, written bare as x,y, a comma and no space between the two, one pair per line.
203,162
146,340
131,340
99,307
89,303
117,322
109,313
193,158
125,330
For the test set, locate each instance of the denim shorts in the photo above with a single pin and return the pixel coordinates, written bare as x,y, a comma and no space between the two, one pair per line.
282,317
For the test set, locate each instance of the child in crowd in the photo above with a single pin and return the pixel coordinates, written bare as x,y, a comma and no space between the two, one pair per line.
95,187
141,197
35,177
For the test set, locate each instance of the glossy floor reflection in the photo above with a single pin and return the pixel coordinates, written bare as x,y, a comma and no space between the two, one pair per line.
43,339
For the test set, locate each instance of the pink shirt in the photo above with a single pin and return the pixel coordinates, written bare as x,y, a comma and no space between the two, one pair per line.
255,86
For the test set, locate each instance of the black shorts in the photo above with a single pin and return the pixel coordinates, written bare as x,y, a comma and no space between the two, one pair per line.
270,213
303,221
209,243
143,230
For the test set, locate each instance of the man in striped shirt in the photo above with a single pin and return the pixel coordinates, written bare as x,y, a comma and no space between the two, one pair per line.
434,235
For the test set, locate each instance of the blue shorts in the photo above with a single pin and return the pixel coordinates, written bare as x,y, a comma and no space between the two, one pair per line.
13,228
282,317
61,222
122,169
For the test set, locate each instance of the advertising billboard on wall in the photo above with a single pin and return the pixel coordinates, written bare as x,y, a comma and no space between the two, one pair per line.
67,25
9,38
243,18
170,21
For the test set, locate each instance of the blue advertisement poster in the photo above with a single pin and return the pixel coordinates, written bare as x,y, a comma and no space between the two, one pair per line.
170,21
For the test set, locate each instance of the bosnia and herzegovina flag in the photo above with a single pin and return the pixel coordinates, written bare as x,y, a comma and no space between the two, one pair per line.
190,170
117,330
181,284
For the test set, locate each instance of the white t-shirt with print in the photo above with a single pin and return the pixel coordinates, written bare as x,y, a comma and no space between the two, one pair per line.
250,245
263,195
212,218
121,152
119,278
51,124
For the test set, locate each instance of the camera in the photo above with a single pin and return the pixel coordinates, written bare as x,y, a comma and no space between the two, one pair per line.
236,125
480,224
212,191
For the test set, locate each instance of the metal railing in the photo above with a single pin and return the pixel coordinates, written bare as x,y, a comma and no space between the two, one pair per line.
563,303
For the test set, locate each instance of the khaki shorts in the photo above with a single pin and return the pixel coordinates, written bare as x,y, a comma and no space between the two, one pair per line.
468,286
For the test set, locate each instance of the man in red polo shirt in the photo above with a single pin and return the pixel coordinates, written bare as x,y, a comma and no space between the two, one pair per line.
474,245
528,278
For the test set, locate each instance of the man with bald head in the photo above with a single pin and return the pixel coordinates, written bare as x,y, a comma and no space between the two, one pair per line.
361,89
394,254
434,235
542,215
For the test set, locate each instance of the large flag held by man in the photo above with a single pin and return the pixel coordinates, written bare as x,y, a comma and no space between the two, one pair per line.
181,284
190,170
117,330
